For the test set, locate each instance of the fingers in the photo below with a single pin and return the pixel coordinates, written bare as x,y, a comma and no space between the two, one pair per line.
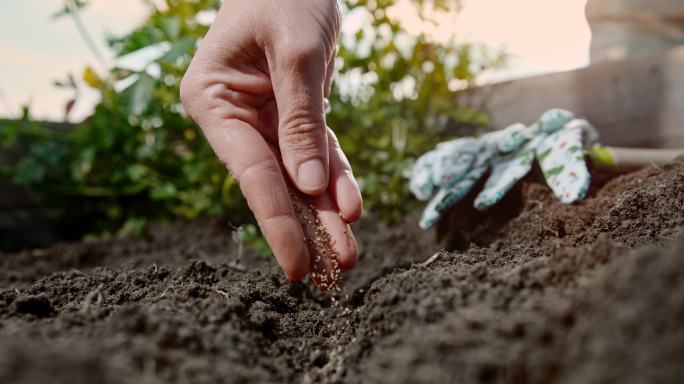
331,243
254,166
343,186
298,71
342,238
345,191
330,71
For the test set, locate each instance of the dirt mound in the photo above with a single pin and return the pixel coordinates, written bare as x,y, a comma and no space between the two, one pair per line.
532,291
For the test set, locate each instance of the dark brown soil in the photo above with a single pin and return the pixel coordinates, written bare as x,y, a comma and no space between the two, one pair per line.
534,292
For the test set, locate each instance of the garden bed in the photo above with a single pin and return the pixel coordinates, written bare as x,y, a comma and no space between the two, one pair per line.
533,291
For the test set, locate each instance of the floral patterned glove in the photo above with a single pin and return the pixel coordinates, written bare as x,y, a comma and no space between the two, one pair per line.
454,167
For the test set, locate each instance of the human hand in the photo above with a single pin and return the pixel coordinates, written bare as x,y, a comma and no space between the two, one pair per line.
256,87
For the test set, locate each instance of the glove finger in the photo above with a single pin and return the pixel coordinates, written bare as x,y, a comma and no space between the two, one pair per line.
561,158
457,192
430,215
512,139
443,167
455,159
447,197
554,119
464,144
590,135
420,183
508,171
449,170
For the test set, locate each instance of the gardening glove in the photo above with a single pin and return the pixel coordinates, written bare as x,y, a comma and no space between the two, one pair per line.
452,169
560,154
556,140
561,158
551,140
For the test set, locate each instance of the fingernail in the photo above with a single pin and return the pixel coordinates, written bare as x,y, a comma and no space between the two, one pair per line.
311,175
352,254
349,198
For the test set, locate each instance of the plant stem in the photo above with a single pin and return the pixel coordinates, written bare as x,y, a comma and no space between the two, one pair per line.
83,31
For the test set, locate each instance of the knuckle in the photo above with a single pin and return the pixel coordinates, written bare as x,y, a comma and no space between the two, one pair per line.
258,170
280,220
192,95
203,100
188,91
219,100
304,52
304,132
333,143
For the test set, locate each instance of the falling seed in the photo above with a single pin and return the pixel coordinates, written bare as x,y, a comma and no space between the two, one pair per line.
326,272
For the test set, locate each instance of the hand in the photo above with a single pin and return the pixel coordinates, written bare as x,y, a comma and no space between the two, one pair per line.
256,87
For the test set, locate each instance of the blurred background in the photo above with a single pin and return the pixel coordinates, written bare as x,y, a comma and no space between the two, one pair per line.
39,49
95,143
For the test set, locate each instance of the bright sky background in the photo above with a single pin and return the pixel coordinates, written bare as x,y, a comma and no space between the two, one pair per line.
541,35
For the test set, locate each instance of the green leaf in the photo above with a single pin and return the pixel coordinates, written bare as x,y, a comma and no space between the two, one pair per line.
164,192
133,226
143,37
170,25
48,152
140,94
29,171
83,164
180,48
9,132
136,172
250,236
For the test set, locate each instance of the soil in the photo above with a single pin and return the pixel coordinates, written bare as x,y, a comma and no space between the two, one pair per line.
532,291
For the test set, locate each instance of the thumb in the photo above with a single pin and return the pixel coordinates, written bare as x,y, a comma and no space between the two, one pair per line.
298,78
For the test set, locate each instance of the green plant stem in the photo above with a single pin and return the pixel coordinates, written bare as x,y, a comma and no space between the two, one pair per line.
85,35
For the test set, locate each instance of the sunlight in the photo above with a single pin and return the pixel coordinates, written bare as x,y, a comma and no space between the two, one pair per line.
540,35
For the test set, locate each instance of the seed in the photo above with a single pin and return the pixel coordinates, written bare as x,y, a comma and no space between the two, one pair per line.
326,272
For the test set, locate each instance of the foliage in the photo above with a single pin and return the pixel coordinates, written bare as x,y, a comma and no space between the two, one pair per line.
407,99
140,158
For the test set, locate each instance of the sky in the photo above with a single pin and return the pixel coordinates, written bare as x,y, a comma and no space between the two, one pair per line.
541,36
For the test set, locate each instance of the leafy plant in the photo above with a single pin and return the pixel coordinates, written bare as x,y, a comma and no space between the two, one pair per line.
406,99
140,158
